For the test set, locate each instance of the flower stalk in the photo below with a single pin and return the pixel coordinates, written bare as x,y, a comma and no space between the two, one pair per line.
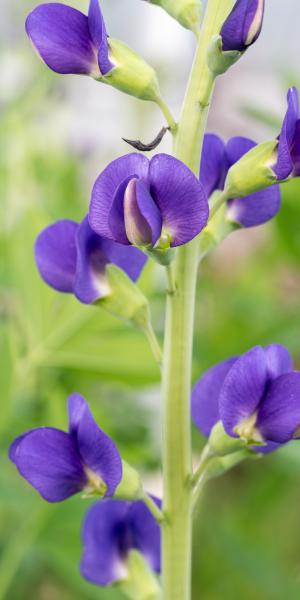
177,362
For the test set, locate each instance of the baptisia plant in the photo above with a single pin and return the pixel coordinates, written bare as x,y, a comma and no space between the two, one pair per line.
246,406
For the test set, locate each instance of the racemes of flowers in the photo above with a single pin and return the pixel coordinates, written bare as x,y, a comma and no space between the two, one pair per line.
172,209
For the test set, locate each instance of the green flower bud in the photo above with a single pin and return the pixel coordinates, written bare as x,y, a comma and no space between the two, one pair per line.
253,172
187,12
218,60
130,487
131,74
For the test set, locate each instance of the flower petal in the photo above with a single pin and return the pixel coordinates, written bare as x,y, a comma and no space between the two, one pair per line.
48,459
205,396
146,533
55,255
103,561
61,35
130,259
243,25
284,165
106,186
243,388
279,360
141,216
279,414
214,165
180,198
90,282
295,150
97,450
99,36
236,147
256,209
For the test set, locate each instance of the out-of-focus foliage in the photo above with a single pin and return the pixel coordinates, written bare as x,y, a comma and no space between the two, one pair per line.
249,292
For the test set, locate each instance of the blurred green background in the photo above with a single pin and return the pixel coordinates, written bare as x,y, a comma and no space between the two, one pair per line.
56,134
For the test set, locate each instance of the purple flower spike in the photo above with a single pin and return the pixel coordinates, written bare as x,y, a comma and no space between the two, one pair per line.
256,396
288,161
59,464
112,529
72,258
142,202
217,158
69,41
243,25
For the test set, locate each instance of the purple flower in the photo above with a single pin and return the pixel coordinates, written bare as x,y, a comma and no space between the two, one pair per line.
243,25
288,161
157,203
256,396
217,158
59,464
72,258
112,529
69,41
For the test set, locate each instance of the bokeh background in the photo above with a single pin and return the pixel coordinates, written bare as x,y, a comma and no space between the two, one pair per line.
56,134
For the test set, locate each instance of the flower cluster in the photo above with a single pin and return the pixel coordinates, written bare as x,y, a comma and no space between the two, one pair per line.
256,397
59,464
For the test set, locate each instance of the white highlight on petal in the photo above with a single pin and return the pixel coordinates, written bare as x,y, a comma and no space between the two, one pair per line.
247,431
256,23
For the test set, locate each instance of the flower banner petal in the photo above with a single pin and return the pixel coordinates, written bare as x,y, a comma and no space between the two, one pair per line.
279,415
214,164
55,255
146,533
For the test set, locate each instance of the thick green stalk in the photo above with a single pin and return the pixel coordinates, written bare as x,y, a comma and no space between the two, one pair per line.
177,361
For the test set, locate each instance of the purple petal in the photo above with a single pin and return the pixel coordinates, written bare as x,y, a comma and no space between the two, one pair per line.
106,187
236,147
243,388
267,449
214,164
295,150
256,209
61,36
205,396
55,255
243,25
180,198
284,165
97,450
279,414
279,360
141,216
130,259
90,281
99,36
104,554
146,533
48,459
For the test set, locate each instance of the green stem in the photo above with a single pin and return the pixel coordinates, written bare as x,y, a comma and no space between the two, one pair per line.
167,114
217,205
153,343
157,513
177,362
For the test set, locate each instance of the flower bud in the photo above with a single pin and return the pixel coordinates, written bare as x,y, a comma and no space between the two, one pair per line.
253,172
130,73
219,61
243,25
186,12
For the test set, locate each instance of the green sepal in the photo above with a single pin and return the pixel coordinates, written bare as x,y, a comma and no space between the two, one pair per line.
253,172
131,74
141,583
125,300
219,61
217,229
221,444
187,12
221,464
131,487
163,257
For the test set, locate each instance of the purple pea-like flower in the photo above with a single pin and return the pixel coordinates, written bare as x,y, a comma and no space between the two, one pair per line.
256,396
156,203
288,157
112,528
217,158
72,258
60,464
69,41
243,25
